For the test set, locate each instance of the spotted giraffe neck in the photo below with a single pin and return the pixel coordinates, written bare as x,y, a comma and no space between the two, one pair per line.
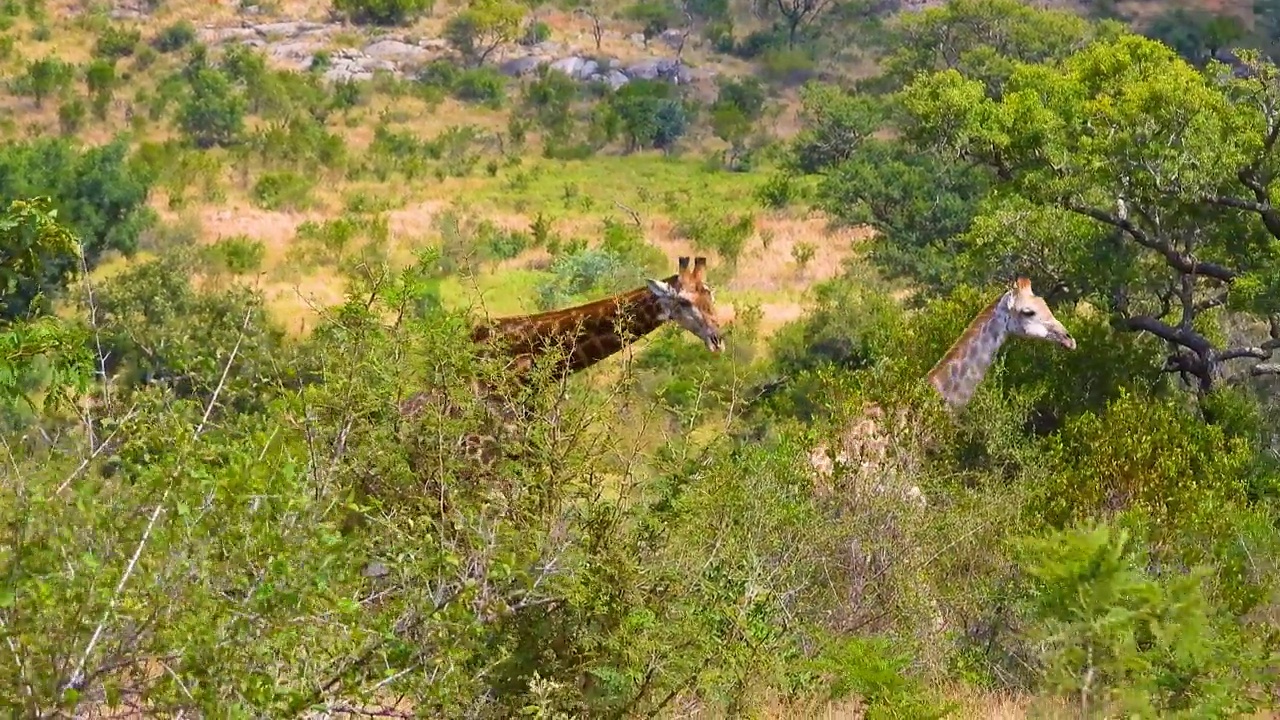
587,333
959,373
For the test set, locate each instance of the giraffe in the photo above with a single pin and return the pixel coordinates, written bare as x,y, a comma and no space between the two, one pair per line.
597,330
1018,312
879,456
587,334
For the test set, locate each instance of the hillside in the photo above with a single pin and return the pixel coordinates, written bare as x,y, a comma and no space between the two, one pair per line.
241,240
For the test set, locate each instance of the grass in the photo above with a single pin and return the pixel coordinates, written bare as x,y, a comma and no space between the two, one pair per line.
498,294
596,187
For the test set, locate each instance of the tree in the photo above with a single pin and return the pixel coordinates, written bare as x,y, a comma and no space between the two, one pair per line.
100,80
1128,179
798,13
46,77
982,38
594,14
654,17
36,251
919,203
1196,35
213,112
483,26
648,114
97,194
738,106
835,123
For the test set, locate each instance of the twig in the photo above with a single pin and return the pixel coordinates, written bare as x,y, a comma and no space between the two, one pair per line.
78,677
226,369
96,451
635,216
97,340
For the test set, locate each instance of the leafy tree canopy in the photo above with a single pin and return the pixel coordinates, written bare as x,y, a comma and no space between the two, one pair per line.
1128,179
98,195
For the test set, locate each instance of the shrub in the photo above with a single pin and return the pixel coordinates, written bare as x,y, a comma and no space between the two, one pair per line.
282,191
71,115
116,42
213,112
535,32
174,37
382,12
483,85
777,191
238,254
725,235
44,78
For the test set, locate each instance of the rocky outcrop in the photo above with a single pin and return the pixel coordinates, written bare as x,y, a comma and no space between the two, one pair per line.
295,44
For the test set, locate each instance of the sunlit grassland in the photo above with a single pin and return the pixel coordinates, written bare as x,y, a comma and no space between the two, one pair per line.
606,185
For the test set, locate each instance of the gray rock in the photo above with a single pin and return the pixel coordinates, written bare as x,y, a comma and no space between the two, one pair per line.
395,50
519,67
297,52
347,72
646,70
637,39
672,38
576,67
288,29
616,79
220,35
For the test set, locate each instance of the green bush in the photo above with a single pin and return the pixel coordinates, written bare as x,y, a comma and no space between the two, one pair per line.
382,12
238,254
116,42
1108,634
174,37
483,85
283,190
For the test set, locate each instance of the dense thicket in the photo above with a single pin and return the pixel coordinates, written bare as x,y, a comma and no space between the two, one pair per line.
203,512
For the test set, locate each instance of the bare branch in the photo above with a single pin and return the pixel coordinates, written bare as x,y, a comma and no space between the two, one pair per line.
635,216
78,676
1175,259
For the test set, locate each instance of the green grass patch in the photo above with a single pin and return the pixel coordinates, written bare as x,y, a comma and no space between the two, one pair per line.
503,293
648,184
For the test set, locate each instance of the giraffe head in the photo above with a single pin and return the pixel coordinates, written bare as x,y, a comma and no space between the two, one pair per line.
1030,317
690,302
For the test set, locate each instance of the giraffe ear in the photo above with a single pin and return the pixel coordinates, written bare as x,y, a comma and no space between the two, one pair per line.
1022,285
660,289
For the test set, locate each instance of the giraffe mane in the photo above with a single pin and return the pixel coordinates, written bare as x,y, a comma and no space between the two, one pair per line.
973,329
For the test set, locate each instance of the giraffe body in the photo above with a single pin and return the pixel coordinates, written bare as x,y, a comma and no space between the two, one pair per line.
1019,312
586,334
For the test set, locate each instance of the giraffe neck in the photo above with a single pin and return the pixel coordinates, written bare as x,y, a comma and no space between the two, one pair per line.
957,375
587,333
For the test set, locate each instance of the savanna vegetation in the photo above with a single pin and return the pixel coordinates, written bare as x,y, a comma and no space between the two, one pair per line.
224,273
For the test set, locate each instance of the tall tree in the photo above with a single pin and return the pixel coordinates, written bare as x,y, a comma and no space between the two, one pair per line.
1130,180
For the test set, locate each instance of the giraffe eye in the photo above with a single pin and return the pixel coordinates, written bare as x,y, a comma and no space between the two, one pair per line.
685,302
1028,312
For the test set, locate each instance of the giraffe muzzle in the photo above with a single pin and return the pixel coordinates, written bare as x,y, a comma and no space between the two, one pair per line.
1065,340
714,342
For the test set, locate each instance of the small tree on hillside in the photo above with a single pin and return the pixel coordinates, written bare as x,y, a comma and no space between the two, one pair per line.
213,114
45,77
486,24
